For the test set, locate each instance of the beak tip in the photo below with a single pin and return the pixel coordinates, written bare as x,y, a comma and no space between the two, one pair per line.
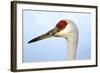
29,42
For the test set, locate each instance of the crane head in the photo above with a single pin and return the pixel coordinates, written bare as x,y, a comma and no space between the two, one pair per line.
61,29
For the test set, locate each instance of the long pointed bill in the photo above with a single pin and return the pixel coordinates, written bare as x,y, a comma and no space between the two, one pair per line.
44,36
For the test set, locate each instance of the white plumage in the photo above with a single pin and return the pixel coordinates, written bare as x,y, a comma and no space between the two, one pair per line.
66,29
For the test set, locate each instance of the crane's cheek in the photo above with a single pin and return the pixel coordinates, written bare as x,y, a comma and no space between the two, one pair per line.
61,34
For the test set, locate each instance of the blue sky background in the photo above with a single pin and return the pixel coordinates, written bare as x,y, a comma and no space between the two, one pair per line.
53,49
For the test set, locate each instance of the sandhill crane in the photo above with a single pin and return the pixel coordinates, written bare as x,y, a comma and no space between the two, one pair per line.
66,29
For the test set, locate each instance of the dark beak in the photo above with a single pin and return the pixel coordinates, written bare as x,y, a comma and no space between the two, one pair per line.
44,36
